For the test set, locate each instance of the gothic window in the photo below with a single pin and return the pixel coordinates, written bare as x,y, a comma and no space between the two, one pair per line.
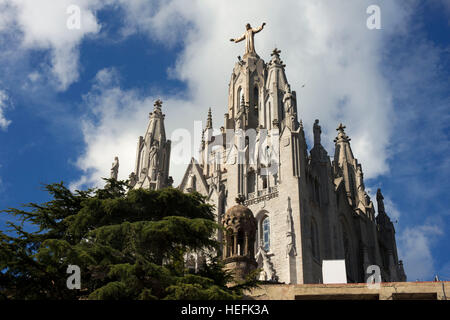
240,243
352,186
230,243
223,205
266,234
316,191
239,97
281,104
264,182
315,240
141,163
251,182
256,97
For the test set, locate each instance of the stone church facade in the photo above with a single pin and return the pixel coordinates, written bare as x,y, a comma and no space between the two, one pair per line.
307,207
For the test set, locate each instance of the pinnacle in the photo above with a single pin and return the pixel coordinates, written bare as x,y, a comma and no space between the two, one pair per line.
158,104
341,127
209,120
341,137
276,52
276,58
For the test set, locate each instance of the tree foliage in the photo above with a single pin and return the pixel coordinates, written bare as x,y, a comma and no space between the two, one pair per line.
129,244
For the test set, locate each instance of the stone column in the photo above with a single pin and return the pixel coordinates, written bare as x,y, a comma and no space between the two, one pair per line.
235,243
246,251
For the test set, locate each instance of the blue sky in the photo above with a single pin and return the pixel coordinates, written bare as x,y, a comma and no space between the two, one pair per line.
71,100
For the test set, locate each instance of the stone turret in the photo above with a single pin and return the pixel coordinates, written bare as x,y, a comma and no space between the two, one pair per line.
240,233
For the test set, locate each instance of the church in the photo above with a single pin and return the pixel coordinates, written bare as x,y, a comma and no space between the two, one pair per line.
296,207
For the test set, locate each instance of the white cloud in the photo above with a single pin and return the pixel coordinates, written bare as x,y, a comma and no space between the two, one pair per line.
414,246
43,25
4,123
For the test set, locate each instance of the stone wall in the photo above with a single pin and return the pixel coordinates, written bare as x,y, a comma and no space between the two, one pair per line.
439,290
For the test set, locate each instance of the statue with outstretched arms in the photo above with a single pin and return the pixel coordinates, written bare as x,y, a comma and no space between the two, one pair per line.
249,38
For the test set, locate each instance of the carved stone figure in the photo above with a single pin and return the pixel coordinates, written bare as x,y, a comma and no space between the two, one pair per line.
317,131
359,178
264,263
262,275
115,168
287,100
191,182
362,195
290,247
133,179
380,201
154,160
249,38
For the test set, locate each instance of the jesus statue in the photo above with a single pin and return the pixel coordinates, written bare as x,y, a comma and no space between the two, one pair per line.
248,36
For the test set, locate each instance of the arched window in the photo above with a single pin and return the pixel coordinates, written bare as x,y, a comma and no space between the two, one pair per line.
141,163
229,243
264,182
266,233
352,187
240,243
315,240
316,191
256,97
251,182
240,93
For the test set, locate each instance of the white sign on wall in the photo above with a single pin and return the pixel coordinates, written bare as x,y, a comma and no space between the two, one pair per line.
333,271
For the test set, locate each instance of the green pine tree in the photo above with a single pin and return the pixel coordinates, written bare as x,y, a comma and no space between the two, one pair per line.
129,244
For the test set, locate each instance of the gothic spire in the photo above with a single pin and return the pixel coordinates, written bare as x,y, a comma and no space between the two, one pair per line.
209,120
153,153
343,152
